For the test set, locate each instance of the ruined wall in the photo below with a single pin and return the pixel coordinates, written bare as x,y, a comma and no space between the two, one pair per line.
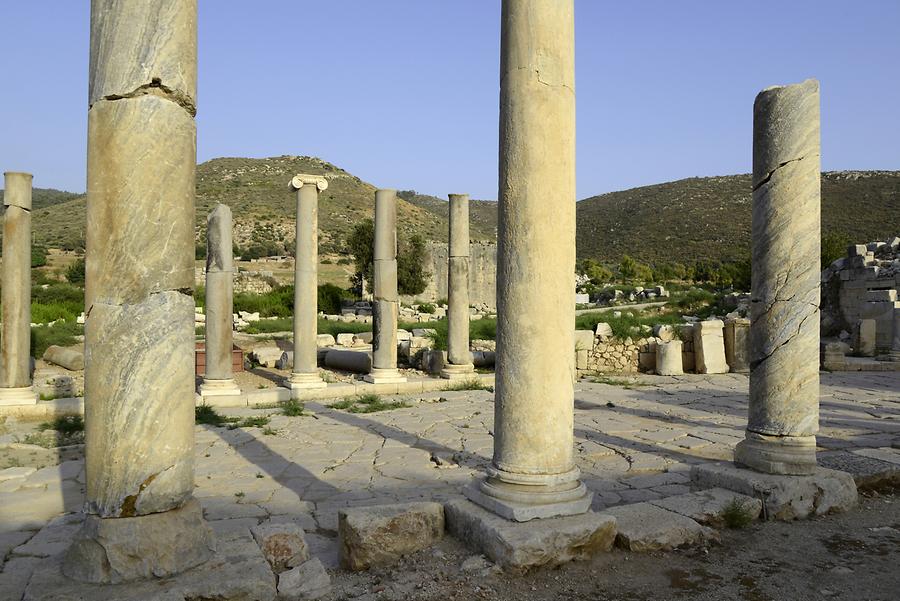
482,274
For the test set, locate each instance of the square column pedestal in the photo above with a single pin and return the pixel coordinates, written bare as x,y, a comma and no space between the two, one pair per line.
304,381
458,372
18,396
219,388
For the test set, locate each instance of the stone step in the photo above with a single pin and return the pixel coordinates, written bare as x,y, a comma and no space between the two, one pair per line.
868,471
715,507
644,527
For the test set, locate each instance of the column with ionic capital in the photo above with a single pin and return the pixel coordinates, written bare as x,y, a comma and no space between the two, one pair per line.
218,378
386,305
784,309
459,358
15,345
533,472
305,373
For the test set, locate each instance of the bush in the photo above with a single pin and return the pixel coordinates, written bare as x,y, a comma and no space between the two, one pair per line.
276,303
38,256
60,334
75,272
834,246
412,278
270,326
329,298
426,308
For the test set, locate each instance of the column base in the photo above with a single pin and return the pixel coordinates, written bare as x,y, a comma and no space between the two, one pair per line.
788,455
219,388
18,396
530,497
304,381
384,376
157,545
457,372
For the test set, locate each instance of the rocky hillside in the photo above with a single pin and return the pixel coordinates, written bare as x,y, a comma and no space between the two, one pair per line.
685,220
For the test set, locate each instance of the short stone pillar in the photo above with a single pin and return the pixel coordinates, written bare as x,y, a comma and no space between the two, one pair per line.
709,347
15,341
141,520
865,338
305,373
218,379
737,345
459,357
784,329
385,307
894,354
533,472
668,358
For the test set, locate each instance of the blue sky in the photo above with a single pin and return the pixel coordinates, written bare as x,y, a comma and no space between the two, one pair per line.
404,93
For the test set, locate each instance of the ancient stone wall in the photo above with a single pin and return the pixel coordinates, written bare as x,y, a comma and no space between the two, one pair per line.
482,274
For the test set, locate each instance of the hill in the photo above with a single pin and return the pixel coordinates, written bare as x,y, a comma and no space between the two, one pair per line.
684,221
47,197
708,218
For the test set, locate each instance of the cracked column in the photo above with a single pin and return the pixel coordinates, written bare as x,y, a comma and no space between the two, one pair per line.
141,519
784,329
218,379
459,358
385,307
533,473
15,344
305,373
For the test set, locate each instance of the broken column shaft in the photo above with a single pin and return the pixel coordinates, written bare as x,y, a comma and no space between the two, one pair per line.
305,373
459,358
218,379
533,474
385,307
15,343
784,329
141,519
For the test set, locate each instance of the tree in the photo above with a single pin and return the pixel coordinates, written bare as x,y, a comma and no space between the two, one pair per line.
596,272
630,269
412,277
75,272
834,246
361,244
38,256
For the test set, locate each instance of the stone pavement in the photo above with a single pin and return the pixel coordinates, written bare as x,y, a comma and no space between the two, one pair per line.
636,440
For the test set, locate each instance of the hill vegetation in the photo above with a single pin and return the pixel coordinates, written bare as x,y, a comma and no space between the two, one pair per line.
685,221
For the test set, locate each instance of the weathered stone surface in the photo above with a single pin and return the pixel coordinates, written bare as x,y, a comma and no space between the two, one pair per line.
305,582
643,527
15,338
668,358
784,332
784,497
458,284
219,294
378,536
126,549
386,305
519,546
708,506
282,544
238,572
267,356
359,362
534,410
69,358
737,345
305,372
868,472
709,347
865,338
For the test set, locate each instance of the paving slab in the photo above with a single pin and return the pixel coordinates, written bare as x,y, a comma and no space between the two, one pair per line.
868,472
644,527
709,506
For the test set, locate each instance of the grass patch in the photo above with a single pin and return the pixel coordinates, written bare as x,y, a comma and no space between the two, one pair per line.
61,431
628,324
736,515
64,424
339,327
291,408
270,326
615,382
60,334
206,414
367,403
468,384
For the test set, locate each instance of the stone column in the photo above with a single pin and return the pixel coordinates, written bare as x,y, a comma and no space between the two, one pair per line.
141,519
305,373
219,378
459,358
15,343
387,303
533,473
894,354
784,328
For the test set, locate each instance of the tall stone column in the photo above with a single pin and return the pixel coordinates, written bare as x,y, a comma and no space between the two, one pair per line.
387,303
218,379
784,327
141,519
533,473
305,373
15,344
459,358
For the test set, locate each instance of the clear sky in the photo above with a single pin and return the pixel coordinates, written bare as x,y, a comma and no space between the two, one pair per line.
404,93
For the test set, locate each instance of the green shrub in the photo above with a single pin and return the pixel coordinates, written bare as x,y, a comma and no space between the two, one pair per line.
38,256
291,408
834,246
694,298
75,272
426,308
60,334
276,303
64,424
339,327
736,515
329,298
270,326
367,403
483,329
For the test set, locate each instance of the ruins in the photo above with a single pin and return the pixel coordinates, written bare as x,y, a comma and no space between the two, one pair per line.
459,358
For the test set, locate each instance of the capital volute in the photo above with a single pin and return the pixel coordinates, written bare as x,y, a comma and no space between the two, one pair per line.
298,181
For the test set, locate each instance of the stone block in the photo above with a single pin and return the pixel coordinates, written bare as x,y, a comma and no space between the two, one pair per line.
325,340
868,472
709,347
603,331
584,340
643,527
345,339
737,345
669,358
305,582
865,338
708,506
267,356
282,544
784,497
69,358
519,546
381,535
